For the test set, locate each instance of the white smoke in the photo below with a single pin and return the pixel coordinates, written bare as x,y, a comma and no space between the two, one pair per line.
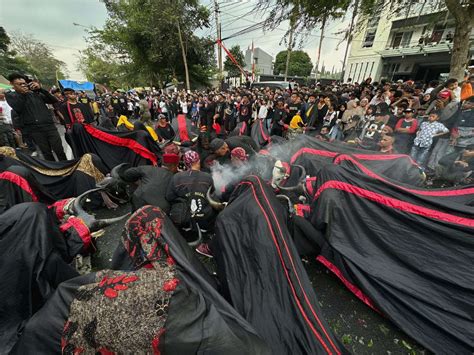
226,175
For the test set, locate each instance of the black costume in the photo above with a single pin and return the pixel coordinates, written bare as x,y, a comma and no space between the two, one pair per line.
37,120
164,301
152,188
187,195
35,252
403,251
262,273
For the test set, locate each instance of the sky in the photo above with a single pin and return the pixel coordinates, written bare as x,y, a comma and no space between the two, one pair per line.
51,21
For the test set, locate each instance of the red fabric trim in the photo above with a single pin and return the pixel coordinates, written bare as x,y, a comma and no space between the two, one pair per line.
294,271
80,228
324,153
329,154
243,129
394,203
294,268
353,288
302,209
182,128
309,184
20,181
58,207
370,173
121,142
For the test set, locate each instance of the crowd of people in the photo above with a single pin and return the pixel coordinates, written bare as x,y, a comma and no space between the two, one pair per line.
432,122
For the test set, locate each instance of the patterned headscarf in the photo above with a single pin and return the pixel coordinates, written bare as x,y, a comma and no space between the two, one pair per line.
191,157
239,153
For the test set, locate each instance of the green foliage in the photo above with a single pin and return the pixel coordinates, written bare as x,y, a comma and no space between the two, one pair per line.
140,42
38,57
8,62
305,14
229,65
300,63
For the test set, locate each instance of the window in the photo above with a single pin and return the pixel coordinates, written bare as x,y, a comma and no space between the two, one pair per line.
371,31
369,38
397,39
406,39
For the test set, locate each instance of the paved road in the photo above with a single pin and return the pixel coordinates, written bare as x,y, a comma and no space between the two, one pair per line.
362,330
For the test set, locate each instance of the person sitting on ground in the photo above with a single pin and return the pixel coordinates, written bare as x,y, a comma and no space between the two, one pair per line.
457,167
187,194
424,138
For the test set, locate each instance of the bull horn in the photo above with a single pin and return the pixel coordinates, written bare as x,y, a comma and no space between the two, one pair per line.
77,204
288,201
119,170
177,143
197,241
164,144
102,223
300,186
217,205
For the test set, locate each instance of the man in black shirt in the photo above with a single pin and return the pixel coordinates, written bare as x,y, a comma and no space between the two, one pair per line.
29,101
73,111
152,183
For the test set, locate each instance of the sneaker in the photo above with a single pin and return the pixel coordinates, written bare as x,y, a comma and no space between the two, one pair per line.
204,249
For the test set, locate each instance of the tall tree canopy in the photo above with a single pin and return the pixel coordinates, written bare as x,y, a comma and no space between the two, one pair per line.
238,55
140,41
300,63
39,56
24,54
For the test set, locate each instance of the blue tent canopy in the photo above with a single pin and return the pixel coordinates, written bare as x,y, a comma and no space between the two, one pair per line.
75,85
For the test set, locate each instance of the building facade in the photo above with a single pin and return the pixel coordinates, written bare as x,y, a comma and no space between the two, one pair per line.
263,62
415,44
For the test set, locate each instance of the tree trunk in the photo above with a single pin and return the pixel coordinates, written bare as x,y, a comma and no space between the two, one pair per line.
185,61
463,14
460,52
318,58
288,53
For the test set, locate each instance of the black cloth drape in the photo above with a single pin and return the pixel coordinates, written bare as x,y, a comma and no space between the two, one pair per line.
113,147
405,252
62,179
32,264
163,301
263,276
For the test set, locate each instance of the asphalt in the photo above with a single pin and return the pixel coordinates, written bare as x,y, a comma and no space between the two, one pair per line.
360,329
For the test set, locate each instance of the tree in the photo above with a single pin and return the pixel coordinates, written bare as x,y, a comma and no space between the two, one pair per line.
239,57
39,56
299,64
461,10
144,37
310,13
8,62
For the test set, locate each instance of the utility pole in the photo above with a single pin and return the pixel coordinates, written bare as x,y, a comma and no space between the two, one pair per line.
318,58
185,61
290,47
349,38
219,36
